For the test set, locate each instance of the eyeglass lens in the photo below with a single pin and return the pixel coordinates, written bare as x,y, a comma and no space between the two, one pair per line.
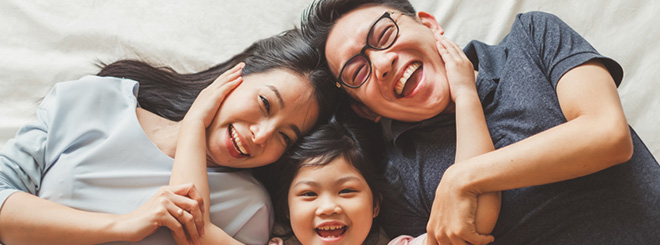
381,36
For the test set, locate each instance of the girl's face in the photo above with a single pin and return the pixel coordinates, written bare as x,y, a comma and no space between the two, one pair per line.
331,204
261,118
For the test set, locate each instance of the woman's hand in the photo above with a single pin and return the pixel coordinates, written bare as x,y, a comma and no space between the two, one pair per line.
460,71
179,208
452,219
208,101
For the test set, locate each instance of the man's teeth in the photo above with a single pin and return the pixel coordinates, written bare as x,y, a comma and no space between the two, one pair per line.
398,89
331,228
237,141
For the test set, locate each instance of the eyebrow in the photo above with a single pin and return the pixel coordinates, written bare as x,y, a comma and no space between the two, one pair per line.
277,93
316,184
293,127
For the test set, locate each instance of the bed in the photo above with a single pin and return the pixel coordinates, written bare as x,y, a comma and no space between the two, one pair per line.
45,42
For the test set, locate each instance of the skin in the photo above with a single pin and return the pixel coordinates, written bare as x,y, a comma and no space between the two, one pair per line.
415,43
215,108
263,132
335,194
595,136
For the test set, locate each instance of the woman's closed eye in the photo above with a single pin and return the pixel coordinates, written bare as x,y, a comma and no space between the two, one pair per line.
287,140
265,102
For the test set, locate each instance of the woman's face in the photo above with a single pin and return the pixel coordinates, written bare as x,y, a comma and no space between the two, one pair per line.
408,80
261,118
331,204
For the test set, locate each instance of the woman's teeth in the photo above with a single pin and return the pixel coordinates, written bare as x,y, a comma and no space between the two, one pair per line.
237,142
398,89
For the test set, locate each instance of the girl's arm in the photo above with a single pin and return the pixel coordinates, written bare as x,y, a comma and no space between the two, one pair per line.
472,139
190,159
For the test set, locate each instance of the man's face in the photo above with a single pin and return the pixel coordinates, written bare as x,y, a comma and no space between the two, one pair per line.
408,81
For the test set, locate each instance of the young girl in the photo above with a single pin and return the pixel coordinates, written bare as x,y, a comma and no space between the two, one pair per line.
334,188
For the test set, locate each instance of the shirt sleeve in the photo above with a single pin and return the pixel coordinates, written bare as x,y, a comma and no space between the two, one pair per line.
559,47
408,240
23,158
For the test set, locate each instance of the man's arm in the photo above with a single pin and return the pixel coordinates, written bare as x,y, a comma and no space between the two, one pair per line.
595,137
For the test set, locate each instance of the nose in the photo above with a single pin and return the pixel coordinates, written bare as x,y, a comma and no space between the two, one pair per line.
328,206
382,62
262,131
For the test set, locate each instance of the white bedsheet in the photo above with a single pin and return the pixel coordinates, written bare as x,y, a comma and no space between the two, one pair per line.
44,42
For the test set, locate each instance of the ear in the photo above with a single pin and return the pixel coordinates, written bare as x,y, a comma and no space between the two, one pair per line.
377,206
429,21
364,112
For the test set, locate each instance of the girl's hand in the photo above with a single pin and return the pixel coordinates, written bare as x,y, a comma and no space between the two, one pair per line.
460,71
452,219
208,101
179,208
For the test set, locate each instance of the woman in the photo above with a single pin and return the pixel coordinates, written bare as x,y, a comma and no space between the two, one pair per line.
87,171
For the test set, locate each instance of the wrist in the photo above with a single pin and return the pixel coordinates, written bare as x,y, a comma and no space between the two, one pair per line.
462,178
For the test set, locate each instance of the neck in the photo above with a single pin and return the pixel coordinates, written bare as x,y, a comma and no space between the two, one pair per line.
161,131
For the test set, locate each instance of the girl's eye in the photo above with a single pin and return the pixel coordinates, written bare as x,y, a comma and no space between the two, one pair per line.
346,191
308,194
287,140
265,102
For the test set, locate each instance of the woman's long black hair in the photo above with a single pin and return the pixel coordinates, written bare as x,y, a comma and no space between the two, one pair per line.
169,94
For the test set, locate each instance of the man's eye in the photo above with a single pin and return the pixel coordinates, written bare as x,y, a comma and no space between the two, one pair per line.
385,36
266,103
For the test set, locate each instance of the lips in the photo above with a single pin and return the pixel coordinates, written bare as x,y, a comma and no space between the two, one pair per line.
409,80
237,143
331,232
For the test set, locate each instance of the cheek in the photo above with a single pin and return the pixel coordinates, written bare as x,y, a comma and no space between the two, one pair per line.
301,217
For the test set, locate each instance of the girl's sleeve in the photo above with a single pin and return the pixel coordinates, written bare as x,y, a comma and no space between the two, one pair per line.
408,240
22,159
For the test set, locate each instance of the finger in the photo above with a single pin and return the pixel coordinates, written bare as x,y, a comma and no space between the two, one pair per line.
185,219
184,199
476,238
430,240
230,74
198,211
189,224
453,48
447,49
175,227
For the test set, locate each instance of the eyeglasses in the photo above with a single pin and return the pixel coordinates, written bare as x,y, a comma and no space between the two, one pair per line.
381,36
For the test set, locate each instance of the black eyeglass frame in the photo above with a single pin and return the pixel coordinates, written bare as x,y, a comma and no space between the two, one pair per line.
386,15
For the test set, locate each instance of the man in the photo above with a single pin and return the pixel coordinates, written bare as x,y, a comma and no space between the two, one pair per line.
570,168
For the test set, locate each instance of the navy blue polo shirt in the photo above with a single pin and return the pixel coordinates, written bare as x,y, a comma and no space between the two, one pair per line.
516,84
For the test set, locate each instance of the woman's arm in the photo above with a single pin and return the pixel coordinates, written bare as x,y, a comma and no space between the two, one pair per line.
27,219
190,159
